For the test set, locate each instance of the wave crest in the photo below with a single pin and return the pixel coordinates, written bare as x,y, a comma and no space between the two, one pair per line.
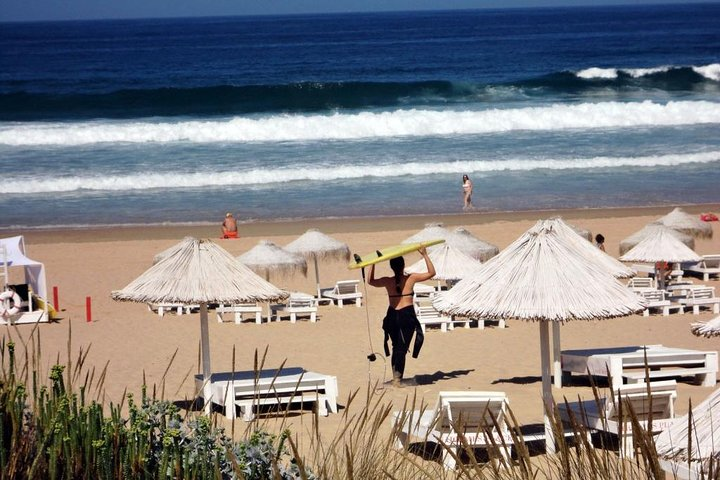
365,125
268,176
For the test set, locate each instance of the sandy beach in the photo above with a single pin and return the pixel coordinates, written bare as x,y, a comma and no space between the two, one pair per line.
135,343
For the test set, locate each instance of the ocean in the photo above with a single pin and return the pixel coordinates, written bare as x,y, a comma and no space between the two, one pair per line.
285,117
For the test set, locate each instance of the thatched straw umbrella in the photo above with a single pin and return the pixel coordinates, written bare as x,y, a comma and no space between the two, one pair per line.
461,239
627,244
315,245
614,267
692,442
686,223
584,233
543,277
450,263
170,251
707,329
432,231
468,243
660,246
199,272
266,258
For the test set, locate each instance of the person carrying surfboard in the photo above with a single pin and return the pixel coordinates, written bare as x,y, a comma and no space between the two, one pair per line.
400,322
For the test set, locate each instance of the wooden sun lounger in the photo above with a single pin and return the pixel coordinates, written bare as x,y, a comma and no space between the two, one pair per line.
605,415
628,363
249,390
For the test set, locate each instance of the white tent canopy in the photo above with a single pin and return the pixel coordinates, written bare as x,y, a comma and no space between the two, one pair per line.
15,257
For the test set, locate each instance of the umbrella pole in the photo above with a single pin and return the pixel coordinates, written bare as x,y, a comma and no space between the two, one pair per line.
546,385
205,347
557,366
317,277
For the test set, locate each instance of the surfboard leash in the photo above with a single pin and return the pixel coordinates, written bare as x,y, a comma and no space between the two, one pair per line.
372,356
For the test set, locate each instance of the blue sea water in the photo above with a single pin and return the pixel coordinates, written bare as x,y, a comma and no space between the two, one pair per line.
164,121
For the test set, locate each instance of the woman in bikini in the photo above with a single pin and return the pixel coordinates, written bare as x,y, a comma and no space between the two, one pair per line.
400,322
467,193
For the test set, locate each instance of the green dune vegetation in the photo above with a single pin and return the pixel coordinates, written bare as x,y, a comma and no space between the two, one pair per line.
57,427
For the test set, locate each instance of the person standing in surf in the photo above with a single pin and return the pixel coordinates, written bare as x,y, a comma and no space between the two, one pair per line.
467,193
400,322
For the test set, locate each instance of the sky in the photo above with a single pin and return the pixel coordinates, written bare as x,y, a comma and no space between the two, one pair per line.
34,10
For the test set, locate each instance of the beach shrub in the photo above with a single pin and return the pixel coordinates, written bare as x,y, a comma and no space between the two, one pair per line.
59,435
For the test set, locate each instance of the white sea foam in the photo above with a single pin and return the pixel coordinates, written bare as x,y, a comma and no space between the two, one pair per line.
709,71
343,126
266,176
641,72
595,72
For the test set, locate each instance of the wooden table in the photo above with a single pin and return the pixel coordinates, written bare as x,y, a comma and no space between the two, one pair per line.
628,363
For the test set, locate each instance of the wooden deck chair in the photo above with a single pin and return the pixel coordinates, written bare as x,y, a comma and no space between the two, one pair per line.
605,415
344,290
239,309
297,304
701,297
708,267
470,415
657,299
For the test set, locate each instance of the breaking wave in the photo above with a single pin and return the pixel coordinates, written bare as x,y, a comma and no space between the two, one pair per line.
267,176
364,125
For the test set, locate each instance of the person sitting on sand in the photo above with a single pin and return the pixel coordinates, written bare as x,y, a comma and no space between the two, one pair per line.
400,321
600,241
229,227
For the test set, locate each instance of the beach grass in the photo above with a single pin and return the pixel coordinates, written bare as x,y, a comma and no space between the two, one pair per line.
55,425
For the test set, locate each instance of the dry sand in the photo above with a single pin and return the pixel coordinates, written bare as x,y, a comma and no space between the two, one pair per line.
137,344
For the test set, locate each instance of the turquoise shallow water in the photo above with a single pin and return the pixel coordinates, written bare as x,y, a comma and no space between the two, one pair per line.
152,121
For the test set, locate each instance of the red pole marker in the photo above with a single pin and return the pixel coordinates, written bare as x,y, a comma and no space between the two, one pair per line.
88,309
56,302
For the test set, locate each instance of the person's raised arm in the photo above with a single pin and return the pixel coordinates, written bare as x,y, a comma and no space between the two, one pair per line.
372,281
421,277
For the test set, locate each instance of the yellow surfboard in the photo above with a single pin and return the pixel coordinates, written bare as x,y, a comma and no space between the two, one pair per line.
389,253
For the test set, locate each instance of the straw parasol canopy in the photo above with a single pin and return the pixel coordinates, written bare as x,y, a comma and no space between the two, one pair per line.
695,453
170,250
542,276
468,243
686,223
266,258
661,245
315,245
603,260
627,244
450,263
461,239
199,272
707,329
586,234
432,231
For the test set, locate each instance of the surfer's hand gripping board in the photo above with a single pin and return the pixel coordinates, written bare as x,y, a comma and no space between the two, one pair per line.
389,253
